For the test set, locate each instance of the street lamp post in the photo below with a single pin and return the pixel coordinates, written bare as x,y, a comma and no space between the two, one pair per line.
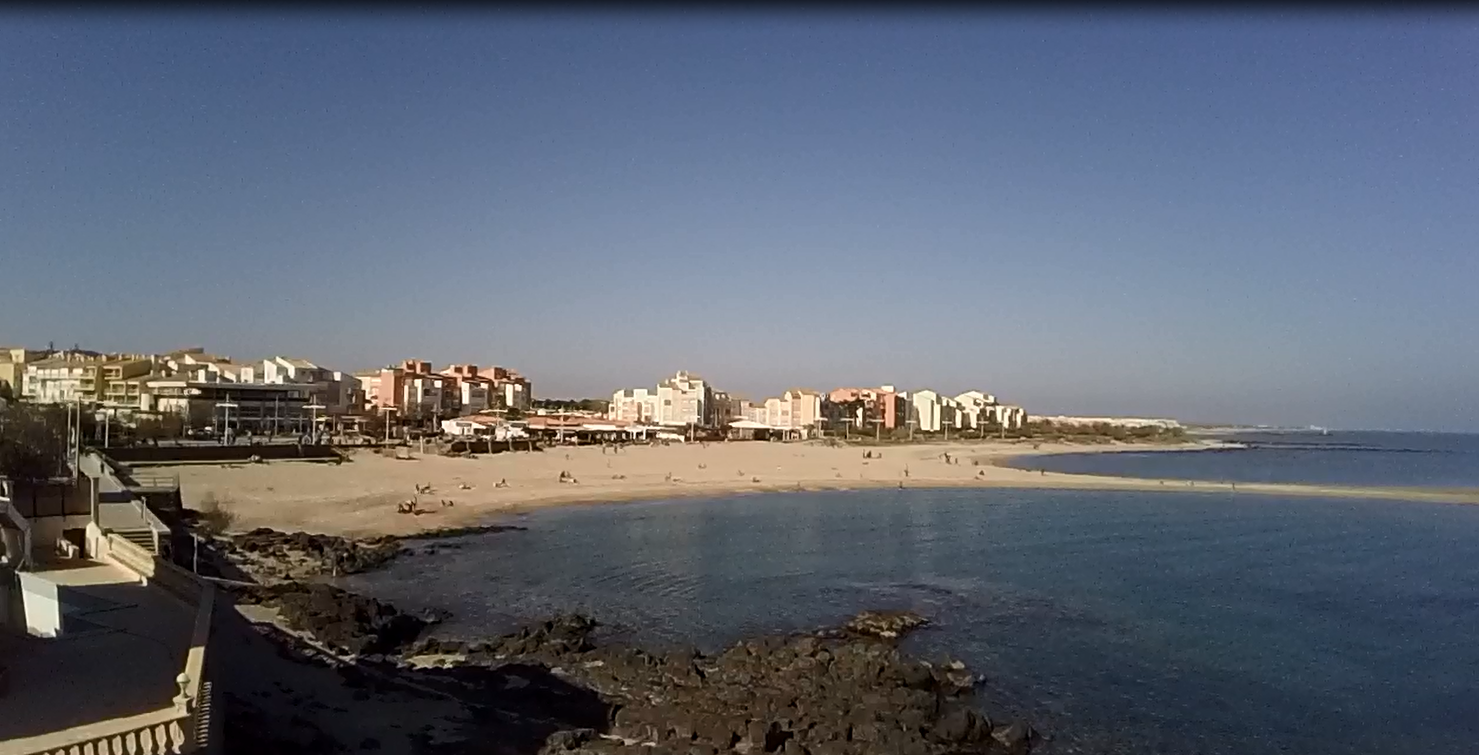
313,425
384,416
226,420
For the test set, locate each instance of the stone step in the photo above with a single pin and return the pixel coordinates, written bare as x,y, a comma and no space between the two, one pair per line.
142,537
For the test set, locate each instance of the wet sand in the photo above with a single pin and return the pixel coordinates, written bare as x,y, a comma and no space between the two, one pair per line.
360,498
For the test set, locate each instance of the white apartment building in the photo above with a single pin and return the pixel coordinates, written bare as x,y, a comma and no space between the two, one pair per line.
333,390
633,405
57,381
974,408
931,412
795,409
684,399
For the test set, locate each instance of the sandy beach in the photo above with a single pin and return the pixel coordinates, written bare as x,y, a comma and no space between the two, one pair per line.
360,498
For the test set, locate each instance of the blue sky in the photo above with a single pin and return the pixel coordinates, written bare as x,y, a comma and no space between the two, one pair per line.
1266,218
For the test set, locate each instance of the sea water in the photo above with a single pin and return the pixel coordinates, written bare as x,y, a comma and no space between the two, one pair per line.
1117,622
1440,460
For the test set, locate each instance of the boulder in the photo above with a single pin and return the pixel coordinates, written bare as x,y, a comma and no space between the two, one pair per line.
1016,736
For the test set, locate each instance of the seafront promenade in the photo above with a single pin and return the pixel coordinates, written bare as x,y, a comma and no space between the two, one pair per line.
362,497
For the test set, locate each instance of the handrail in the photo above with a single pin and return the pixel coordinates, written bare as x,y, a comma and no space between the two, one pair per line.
159,482
158,732
200,636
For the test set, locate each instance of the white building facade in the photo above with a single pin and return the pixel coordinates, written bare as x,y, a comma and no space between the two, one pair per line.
633,405
684,399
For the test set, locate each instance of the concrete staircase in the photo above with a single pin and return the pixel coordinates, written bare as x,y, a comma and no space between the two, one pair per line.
141,536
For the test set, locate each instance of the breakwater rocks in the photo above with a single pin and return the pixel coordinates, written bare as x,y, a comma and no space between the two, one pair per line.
836,692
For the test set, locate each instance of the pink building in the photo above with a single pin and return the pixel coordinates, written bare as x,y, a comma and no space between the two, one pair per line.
863,405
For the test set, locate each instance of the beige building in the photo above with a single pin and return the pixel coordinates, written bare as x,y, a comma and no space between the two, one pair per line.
13,363
125,384
84,379
633,405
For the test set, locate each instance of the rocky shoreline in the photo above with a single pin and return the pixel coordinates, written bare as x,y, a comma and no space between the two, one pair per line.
551,688
270,556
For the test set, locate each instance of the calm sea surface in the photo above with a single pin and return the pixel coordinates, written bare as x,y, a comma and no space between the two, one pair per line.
1119,622
1340,458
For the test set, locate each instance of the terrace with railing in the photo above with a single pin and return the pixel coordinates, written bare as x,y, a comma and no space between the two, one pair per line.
122,665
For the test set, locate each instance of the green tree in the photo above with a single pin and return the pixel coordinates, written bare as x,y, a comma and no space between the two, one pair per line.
33,442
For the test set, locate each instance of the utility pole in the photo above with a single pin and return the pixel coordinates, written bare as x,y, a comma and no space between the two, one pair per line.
77,444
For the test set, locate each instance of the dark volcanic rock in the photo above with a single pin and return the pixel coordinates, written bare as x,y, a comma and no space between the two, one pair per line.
845,693
348,622
1016,737
549,689
300,554
888,625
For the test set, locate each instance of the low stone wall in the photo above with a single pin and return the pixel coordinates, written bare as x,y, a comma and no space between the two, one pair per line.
138,455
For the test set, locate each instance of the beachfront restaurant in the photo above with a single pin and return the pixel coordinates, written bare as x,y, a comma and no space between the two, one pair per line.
585,430
745,429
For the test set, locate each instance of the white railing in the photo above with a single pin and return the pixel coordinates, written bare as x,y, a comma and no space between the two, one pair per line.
158,732
174,730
